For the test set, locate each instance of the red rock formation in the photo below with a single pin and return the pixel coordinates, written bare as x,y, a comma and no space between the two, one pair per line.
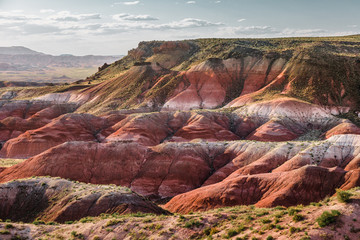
22,109
68,127
147,129
154,128
163,171
206,126
27,200
272,132
352,179
343,128
210,82
13,126
263,190
173,168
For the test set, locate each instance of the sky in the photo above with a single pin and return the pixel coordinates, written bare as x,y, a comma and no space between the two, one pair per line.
112,27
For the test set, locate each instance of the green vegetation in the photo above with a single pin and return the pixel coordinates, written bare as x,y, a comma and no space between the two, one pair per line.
298,217
192,223
76,235
327,218
343,196
9,226
38,222
4,232
8,162
315,65
113,222
238,222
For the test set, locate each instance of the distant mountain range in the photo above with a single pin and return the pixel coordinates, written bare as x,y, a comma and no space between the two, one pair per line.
19,63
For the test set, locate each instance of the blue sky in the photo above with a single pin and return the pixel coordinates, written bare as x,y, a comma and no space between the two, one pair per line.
112,27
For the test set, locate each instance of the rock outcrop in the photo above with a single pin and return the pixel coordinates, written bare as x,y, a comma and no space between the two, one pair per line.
60,200
210,122
300,186
68,127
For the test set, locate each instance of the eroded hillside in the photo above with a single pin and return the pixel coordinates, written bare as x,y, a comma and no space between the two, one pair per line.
199,124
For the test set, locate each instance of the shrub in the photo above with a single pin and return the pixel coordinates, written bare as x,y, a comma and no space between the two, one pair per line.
293,211
343,196
269,238
4,232
17,237
77,235
38,222
265,220
193,223
86,219
245,237
231,233
327,218
294,230
241,228
9,226
112,222
298,217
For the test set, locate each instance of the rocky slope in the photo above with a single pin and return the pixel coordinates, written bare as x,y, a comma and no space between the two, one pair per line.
208,123
50,199
329,219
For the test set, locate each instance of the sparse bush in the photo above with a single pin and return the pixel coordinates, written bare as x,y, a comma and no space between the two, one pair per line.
327,218
292,211
279,227
86,219
343,196
9,226
17,237
245,237
294,230
112,222
76,235
210,231
270,237
232,233
298,217
265,220
193,223
5,232
38,222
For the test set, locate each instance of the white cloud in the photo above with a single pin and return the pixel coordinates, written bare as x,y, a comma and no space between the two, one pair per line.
47,10
303,32
131,3
129,17
191,2
17,11
66,16
16,17
246,31
353,26
189,23
135,25
217,1
241,20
